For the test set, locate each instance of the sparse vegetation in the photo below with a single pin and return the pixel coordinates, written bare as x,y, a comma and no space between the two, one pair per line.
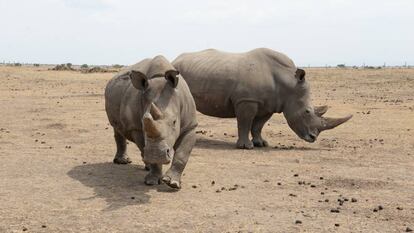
67,66
97,69
36,65
117,66
84,66
372,67
341,66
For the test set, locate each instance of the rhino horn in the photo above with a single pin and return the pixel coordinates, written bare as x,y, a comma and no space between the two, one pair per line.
330,123
155,112
150,127
320,110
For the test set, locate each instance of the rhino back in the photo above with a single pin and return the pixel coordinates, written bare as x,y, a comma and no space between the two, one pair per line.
210,77
219,80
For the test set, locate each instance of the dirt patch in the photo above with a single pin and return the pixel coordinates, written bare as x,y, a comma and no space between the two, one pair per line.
56,151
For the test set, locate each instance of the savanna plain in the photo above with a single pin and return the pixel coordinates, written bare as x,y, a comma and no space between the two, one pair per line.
57,175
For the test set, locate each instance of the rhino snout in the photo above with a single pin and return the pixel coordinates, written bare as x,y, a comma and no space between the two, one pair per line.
160,157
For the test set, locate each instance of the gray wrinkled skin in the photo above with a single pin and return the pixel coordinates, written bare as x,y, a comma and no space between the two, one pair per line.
150,104
251,87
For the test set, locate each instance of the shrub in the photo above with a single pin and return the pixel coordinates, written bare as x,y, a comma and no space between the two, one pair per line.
36,65
340,65
84,66
117,66
63,67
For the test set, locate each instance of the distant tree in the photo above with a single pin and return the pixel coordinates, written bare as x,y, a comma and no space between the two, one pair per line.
84,66
69,65
340,65
36,65
17,64
117,66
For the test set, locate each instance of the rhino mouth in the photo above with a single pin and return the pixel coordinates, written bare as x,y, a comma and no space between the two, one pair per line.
311,138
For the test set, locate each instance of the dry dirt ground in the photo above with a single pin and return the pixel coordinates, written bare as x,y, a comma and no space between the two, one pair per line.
56,174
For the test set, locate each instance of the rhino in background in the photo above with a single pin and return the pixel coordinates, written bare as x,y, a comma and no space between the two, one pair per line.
150,104
252,86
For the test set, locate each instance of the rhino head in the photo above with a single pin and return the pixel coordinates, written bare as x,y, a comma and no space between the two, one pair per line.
161,118
307,121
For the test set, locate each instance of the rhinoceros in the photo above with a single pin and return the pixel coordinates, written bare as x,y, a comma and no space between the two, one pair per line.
252,86
150,104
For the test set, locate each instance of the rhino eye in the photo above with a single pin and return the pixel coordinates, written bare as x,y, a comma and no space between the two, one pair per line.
175,121
307,111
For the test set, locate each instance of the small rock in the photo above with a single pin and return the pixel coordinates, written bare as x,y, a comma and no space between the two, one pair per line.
313,186
321,178
194,186
24,229
354,199
298,222
335,211
278,183
266,181
213,182
132,198
375,210
337,224
218,191
322,193
399,208
380,207
43,226
296,175
408,229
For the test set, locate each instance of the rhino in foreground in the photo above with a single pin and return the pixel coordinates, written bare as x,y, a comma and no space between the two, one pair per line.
150,104
252,86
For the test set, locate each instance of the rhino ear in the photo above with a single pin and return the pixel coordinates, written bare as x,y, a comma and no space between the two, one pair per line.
300,75
172,77
320,110
139,80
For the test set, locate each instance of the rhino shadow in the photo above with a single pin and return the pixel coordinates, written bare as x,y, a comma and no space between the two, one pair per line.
119,185
215,144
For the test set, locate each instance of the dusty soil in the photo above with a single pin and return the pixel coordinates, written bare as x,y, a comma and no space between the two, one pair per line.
56,174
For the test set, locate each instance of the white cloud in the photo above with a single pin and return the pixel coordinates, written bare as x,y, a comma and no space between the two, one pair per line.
110,31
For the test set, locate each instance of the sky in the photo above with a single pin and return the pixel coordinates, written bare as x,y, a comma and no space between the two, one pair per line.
311,33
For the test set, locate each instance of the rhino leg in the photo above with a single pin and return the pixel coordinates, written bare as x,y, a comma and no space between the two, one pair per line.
154,175
245,113
121,156
257,127
140,142
183,148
